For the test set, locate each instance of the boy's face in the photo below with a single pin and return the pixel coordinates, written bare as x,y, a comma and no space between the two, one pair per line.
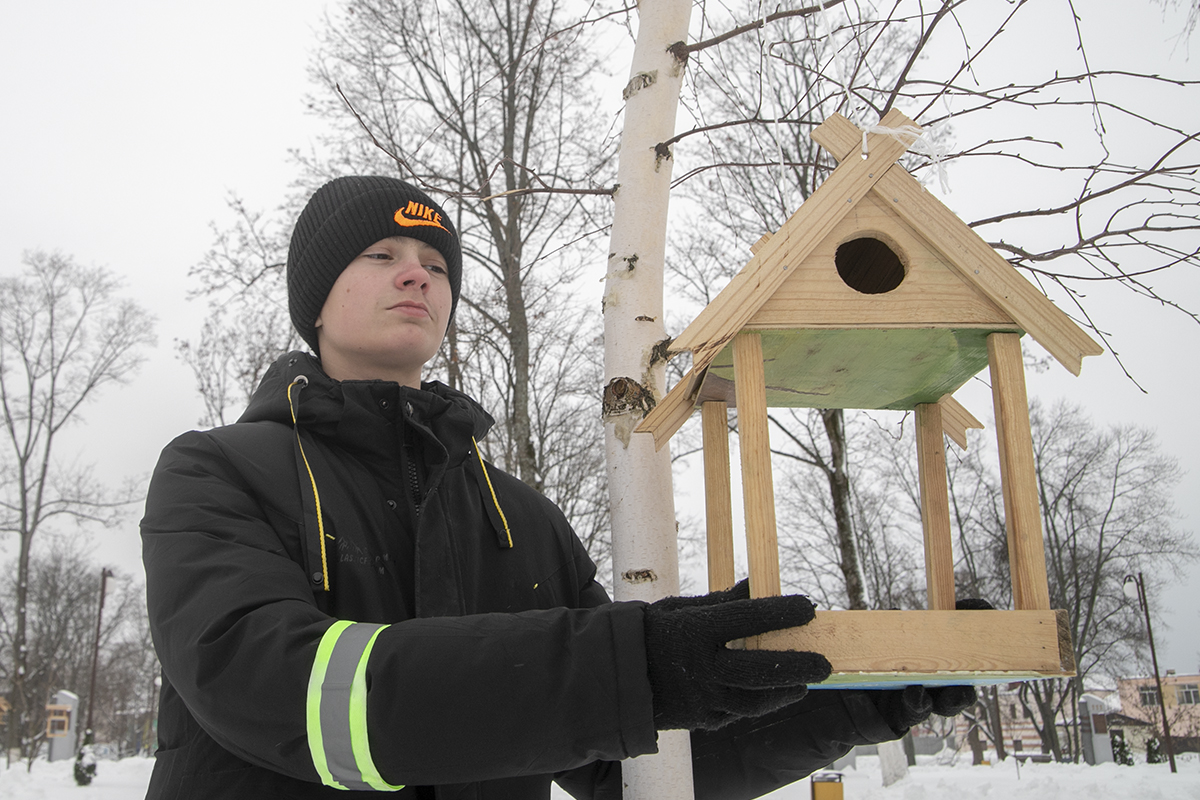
386,314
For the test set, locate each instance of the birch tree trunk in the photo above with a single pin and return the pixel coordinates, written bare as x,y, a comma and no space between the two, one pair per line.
645,561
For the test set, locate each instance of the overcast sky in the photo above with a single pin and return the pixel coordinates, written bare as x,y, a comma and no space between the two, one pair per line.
127,124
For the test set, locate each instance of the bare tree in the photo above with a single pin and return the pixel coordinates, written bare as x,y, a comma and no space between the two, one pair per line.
64,336
63,599
813,444
128,675
481,100
1117,204
248,324
1106,511
487,103
1121,201
60,626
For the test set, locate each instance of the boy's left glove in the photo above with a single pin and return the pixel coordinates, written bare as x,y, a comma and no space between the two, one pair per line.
699,683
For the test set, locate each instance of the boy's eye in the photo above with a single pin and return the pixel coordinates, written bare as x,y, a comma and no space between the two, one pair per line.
438,268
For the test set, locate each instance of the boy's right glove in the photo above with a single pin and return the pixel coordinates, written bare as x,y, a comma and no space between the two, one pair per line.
912,705
699,683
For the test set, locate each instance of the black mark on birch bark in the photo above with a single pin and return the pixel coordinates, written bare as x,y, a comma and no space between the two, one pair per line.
661,351
662,153
626,403
679,51
625,395
639,82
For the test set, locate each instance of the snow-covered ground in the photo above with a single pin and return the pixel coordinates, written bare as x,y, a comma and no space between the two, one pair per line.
115,780
126,780
1001,780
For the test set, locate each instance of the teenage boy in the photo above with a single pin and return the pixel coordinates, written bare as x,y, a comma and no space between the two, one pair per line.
345,596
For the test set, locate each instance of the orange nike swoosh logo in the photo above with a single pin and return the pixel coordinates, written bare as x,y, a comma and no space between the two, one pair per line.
409,222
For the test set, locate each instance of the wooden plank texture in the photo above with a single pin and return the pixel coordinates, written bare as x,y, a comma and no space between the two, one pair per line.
906,644
931,293
935,508
668,416
967,252
758,487
956,420
718,499
1022,518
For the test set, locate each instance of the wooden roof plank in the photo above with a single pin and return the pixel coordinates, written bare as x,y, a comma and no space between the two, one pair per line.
956,420
668,416
968,254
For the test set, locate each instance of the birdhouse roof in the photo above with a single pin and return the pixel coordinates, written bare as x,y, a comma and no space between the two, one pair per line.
960,283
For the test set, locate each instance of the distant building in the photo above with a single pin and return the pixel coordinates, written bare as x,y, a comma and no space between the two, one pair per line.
1019,733
1133,715
1142,719
1016,725
1016,722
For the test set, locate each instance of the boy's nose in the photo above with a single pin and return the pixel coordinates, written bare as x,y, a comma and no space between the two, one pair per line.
411,273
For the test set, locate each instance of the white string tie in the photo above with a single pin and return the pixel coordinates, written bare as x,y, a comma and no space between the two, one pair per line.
918,141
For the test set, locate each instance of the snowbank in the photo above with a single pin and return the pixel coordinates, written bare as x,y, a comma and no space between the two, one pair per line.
928,781
115,780
127,779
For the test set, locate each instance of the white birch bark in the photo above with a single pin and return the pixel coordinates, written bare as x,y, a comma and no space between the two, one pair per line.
645,561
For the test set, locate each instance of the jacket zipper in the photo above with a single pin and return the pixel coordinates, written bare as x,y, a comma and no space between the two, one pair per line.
414,486
410,456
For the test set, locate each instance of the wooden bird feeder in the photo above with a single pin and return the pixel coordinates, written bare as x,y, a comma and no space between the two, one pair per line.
874,295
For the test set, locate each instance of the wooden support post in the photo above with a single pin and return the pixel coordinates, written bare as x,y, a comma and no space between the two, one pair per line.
758,488
718,501
935,508
1022,518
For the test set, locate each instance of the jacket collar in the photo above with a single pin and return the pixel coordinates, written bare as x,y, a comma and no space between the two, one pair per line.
361,415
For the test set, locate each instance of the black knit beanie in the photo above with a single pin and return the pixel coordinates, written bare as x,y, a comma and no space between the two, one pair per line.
345,217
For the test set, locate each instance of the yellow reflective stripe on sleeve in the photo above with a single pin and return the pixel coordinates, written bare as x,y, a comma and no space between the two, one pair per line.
336,709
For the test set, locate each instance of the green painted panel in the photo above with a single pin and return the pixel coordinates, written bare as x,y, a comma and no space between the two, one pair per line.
898,680
895,368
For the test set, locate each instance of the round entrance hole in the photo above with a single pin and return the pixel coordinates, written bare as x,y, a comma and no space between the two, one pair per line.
869,266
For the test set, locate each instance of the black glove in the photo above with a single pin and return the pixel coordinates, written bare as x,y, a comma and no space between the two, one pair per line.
698,683
903,708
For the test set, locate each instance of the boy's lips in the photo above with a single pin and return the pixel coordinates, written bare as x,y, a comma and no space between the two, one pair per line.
410,307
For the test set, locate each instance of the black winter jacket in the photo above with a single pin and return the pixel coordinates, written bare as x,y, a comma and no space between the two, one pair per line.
449,633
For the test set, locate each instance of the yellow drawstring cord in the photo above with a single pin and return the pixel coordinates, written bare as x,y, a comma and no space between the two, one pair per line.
492,489
316,496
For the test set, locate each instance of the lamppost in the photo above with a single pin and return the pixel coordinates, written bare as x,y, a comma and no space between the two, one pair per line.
105,574
1135,589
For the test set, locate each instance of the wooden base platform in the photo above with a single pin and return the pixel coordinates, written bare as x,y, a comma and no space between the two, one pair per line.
888,649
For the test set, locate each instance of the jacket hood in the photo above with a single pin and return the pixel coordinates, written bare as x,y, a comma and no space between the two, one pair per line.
351,411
